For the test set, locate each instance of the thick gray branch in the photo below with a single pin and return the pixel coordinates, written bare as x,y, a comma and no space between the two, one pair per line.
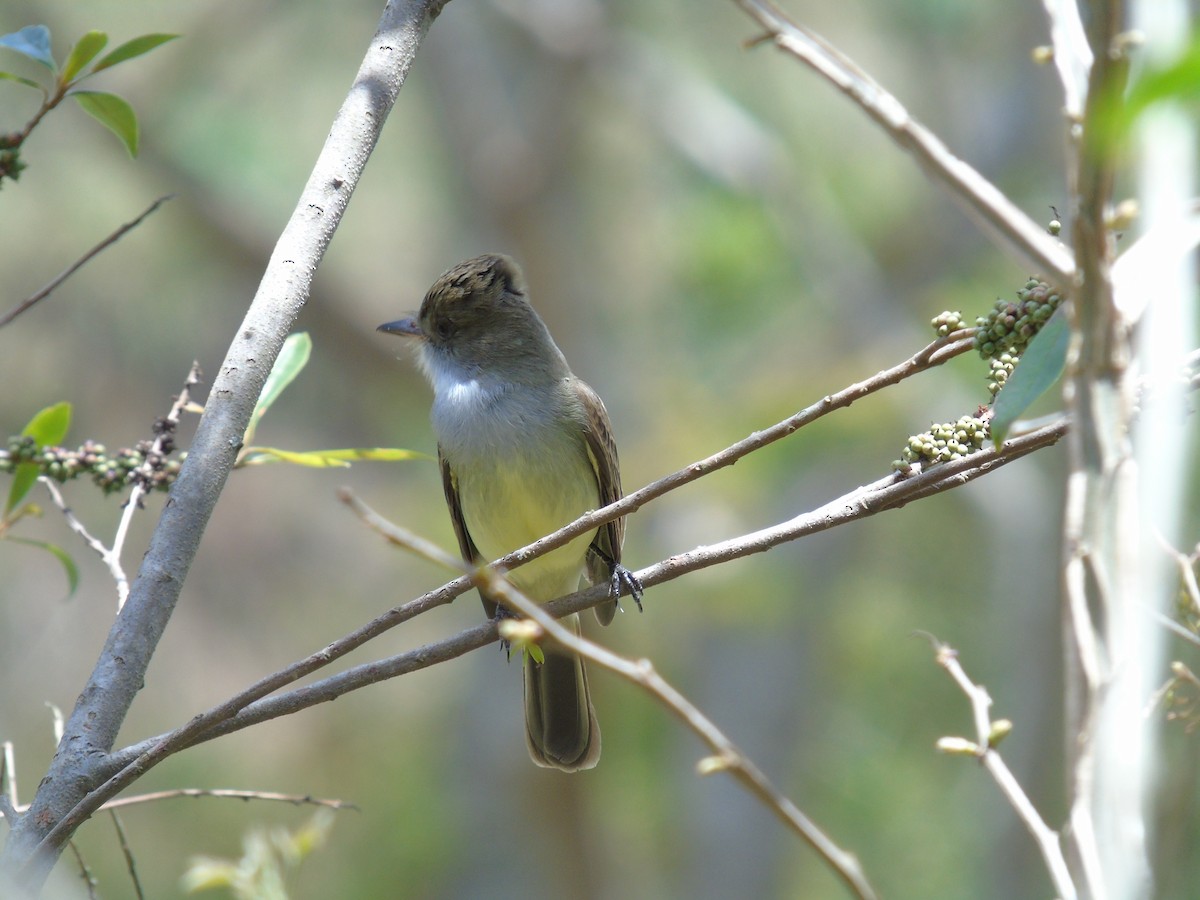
38,836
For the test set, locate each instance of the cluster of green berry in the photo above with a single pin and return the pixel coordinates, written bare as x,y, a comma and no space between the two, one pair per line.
1001,369
1011,325
142,464
942,443
1000,337
944,323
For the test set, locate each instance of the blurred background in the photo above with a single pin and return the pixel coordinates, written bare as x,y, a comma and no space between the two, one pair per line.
717,239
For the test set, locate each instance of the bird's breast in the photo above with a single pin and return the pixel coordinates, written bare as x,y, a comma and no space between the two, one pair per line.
522,472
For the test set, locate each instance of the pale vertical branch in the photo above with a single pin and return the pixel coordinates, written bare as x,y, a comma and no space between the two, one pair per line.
1109,755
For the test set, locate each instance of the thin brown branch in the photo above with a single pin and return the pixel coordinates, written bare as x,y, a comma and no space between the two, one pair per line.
79,263
112,557
978,196
1187,572
727,756
85,873
127,851
226,793
49,102
166,432
983,748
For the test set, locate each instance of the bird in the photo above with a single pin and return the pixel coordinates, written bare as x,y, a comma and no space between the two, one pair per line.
524,447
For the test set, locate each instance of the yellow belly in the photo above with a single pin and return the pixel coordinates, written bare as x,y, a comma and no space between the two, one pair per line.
513,503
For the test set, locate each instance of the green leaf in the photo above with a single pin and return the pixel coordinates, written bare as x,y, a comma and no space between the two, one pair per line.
61,555
9,76
24,477
33,41
131,48
1041,365
1178,81
48,427
293,357
326,459
81,54
113,113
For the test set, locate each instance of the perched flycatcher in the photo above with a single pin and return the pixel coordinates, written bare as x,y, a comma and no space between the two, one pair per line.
525,447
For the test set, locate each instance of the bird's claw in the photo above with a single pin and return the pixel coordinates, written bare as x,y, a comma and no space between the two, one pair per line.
623,576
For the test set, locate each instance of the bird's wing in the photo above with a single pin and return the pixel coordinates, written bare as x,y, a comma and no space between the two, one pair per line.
604,554
466,546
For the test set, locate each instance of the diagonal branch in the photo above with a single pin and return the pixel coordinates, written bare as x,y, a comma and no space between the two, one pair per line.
934,354
982,199
727,756
45,292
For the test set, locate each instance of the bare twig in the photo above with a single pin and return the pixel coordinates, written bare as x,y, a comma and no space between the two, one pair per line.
56,719
1172,626
1187,571
85,873
110,559
166,432
226,793
130,863
978,196
983,748
79,263
727,756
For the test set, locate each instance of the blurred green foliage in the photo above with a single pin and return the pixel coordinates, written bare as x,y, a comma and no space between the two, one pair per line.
716,240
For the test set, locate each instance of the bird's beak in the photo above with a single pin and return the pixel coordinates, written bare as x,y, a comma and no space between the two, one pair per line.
403,327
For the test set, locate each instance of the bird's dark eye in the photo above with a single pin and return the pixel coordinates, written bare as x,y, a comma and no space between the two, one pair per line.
443,327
